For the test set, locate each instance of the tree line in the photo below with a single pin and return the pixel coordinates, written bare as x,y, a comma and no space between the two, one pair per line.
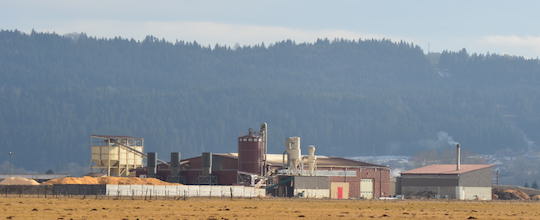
348,97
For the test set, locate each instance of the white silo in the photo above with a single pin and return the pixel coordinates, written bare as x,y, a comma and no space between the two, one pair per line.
311,160
294,155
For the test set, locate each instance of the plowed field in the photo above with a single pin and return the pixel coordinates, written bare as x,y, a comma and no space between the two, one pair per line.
79,208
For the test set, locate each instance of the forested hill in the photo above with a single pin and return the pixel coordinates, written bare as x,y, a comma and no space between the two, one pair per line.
347,97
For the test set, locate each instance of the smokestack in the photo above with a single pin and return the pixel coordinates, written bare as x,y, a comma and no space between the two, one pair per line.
458,157
151,164
206,163
175,168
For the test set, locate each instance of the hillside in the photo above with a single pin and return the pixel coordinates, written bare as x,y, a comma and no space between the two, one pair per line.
347,97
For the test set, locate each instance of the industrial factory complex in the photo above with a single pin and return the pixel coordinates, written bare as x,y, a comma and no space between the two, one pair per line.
253,171
341,177
289,174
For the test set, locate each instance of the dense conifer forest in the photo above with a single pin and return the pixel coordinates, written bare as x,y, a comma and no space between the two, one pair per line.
348,97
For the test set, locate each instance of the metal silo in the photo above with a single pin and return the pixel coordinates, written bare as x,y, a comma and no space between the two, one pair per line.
294,155
116,155
251,153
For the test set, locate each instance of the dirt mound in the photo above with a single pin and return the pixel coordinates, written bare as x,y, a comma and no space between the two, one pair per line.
518,193
511,194
108,180
73,180
18,181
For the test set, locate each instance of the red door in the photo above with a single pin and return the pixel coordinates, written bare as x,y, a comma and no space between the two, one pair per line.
340,192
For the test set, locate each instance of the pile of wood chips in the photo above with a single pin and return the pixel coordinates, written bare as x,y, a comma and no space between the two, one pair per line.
18,181
108,180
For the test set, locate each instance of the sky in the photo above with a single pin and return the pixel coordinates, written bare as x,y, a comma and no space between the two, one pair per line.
494,26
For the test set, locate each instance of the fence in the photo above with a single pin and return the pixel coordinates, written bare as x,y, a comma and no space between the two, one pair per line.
134,190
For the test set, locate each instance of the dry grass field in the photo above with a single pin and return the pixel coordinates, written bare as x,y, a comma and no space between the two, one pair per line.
198,208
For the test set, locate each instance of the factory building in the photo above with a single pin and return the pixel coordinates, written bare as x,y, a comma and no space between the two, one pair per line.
450,181
287,174
346,178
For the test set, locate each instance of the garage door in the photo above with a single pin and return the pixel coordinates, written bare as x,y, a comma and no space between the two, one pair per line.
339,190
366,188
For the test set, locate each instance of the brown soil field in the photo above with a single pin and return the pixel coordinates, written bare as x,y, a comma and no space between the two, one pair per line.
199,208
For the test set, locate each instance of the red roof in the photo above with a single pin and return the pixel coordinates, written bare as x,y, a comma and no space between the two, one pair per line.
447,169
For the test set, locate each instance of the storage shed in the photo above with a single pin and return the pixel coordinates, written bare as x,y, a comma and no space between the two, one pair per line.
302,186
470,182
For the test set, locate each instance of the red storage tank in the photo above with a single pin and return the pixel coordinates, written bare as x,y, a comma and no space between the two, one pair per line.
250,153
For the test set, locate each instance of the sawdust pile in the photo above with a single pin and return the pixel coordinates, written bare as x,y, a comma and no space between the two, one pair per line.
510,194
18,181
108,180
521,195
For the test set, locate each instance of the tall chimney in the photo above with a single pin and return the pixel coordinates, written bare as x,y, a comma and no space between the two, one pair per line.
151,164
458,157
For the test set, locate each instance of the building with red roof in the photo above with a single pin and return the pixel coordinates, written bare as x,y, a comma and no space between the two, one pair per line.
450,181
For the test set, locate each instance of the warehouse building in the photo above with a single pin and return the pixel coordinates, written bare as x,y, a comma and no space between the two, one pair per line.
347,178
450,181
471,182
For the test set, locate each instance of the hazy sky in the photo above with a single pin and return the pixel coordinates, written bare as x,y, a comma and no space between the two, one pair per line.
510,27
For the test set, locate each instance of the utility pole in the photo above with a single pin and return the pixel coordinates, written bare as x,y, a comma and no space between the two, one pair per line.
11,162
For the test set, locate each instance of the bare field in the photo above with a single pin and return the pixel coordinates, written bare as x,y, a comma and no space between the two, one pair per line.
199,208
